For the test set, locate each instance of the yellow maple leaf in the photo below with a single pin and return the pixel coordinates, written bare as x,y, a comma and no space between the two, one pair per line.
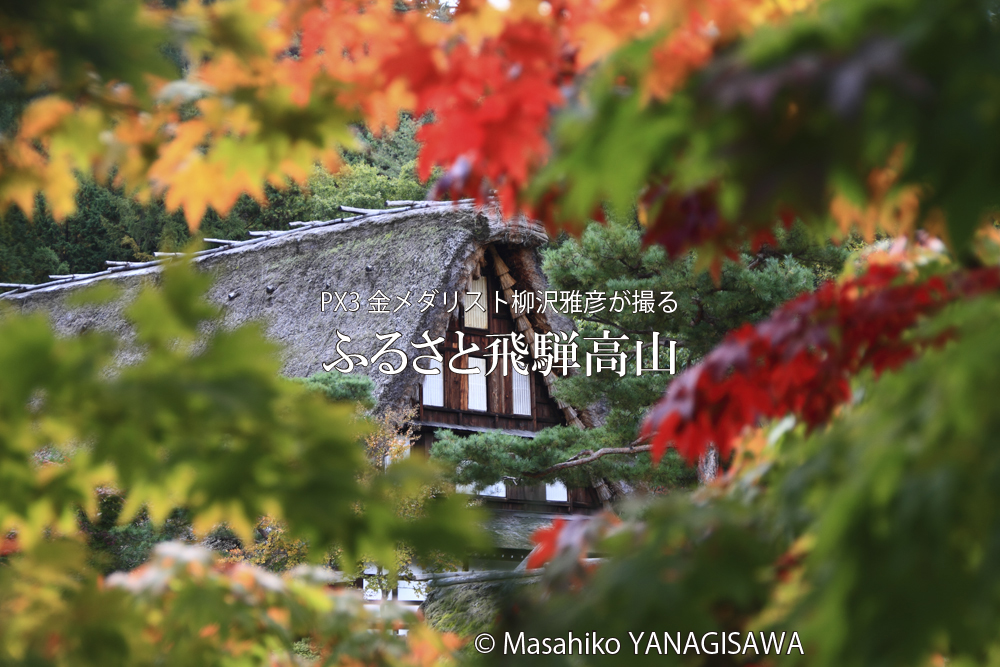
43,115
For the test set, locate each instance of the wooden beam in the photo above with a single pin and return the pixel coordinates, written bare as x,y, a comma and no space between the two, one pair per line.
503,273
415,203
371,211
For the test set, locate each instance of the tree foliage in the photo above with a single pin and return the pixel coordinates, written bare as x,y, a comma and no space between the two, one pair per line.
110,225
806,354
829,533
268,88
612,258
183,609
202,420
717,115
271,548
117,545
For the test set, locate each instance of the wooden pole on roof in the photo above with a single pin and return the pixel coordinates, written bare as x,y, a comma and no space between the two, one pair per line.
524,326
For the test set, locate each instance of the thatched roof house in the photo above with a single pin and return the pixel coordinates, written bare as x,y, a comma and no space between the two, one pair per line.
369,274
325,280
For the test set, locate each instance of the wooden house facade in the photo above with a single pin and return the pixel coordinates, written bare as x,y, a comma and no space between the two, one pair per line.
515,401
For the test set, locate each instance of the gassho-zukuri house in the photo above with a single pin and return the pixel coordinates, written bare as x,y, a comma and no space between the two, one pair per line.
422,270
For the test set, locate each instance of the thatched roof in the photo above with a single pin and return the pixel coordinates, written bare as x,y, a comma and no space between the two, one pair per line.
513,530
468,609
278,277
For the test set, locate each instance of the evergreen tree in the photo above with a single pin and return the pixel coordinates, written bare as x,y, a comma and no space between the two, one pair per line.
391,152
117,545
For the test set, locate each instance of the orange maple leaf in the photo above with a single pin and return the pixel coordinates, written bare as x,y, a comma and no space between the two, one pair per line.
547,539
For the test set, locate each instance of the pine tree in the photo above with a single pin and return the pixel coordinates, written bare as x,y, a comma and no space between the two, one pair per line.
612,258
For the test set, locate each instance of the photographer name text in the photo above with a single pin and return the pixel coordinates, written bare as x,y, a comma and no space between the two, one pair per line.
646,643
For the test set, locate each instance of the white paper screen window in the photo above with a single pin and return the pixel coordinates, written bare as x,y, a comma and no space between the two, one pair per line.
475,307
498,490
477,385
556,492
522,393
434,386
495,490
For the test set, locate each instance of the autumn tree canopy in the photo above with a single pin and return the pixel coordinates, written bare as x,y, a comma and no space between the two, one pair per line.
719,115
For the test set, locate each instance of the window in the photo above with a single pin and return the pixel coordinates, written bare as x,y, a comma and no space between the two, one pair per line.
475,304
498,490
556,492
434,386
477,385
522,393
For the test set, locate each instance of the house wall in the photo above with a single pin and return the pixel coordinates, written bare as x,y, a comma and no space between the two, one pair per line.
499,413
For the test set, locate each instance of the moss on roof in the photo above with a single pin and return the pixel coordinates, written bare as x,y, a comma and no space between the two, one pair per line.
513,530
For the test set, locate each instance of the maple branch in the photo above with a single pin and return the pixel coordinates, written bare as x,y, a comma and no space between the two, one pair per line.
801,359
588,456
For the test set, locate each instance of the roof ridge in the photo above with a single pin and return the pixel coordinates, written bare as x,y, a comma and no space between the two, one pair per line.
396,206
